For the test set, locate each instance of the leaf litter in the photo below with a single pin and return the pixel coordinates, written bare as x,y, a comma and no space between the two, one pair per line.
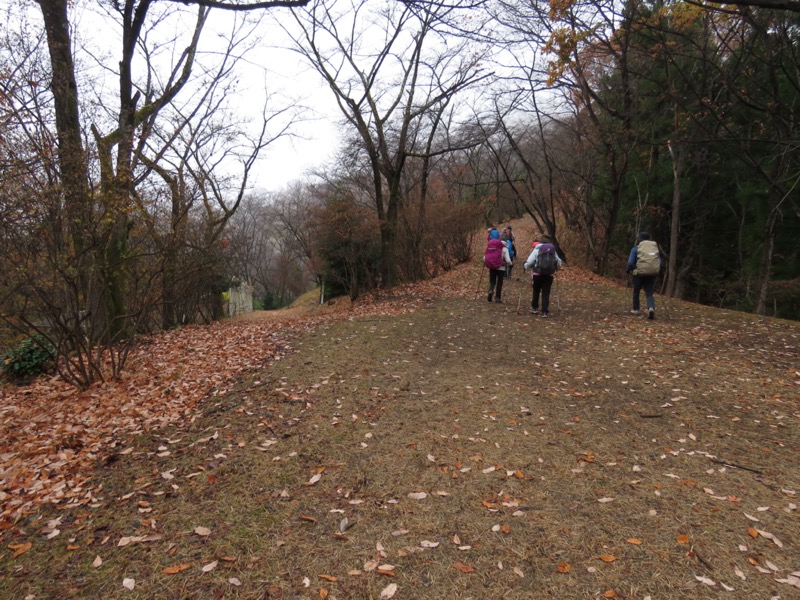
421,390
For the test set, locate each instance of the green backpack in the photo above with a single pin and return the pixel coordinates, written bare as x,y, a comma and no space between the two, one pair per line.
648,261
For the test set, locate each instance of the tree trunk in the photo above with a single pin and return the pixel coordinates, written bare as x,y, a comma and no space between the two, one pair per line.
675,224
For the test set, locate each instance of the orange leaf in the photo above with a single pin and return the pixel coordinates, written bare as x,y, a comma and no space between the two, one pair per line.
487,504
72,547
505,529
387,572
607,558
307,518
175,569
518,474
752,532
323,593
634,541
609,594
330,578
464,568
20,549
682,539
563,567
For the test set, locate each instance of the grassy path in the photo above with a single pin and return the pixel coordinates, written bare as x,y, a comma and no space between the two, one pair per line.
462,451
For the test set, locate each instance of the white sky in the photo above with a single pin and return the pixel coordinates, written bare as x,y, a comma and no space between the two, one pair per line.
314,136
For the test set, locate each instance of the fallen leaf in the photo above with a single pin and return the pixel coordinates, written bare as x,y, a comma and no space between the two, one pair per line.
752,533
209,567
418,495
97,562
175,569
563,567
464,568
314,479
330,578
706,580
682,539
389,591
634,541
128,584
370,565
607,558
20,549
234,581
203,531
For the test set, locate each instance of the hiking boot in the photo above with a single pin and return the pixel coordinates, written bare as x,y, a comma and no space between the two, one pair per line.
545,314
651,313
636,312
534,311
498,300
489,297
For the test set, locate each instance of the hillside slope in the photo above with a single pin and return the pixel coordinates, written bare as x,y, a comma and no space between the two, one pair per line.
428,444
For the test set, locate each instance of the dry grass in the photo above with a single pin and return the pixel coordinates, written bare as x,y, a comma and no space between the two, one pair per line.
518,429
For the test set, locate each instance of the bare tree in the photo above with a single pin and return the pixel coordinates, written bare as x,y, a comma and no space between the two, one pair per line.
387,70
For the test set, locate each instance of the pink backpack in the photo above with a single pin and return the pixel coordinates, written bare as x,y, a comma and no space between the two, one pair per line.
493,257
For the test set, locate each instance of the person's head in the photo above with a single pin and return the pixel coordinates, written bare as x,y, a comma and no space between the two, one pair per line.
643,235
494,234
545,238
504,235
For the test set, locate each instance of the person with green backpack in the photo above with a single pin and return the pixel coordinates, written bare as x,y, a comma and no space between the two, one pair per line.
644,262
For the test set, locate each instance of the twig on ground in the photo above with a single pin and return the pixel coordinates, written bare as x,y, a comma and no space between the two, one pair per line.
702,560
728,463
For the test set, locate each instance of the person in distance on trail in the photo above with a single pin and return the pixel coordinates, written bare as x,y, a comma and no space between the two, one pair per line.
496,257
513,239
505,237
644,262
543,262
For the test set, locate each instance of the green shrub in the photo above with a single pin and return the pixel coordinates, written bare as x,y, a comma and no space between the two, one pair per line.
32,356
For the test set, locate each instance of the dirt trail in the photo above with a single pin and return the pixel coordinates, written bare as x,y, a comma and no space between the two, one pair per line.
456,448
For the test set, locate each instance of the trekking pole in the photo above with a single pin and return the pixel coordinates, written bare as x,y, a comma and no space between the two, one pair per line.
480,280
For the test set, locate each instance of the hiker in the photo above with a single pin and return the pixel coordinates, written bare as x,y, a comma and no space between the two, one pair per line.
543,262
644,262
496,258
505,237
513,239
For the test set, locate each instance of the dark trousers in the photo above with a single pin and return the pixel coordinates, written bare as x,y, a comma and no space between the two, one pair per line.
542,285
648,284
496,277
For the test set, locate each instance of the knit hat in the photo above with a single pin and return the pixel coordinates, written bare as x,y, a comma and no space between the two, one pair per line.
643,235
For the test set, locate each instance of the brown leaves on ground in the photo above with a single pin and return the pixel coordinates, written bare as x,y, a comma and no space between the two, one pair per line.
457,446
52,434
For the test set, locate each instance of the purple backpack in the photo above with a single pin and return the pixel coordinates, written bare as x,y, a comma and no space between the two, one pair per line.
546,262
493,257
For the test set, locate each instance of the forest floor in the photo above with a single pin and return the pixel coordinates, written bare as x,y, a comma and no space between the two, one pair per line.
423,444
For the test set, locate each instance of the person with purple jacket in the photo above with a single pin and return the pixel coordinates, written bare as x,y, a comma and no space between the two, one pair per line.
496,257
